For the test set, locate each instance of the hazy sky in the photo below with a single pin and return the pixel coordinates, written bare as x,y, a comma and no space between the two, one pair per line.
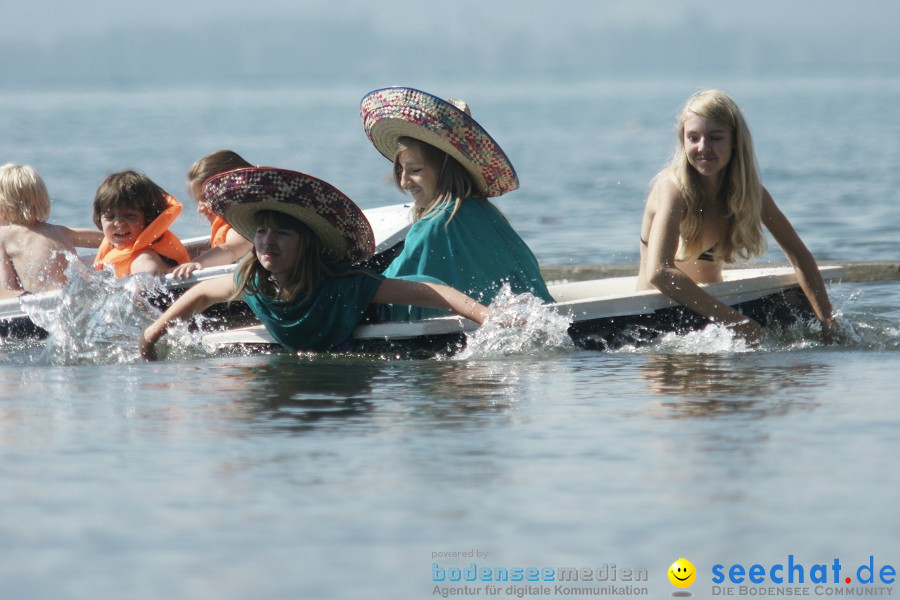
162,38
860,18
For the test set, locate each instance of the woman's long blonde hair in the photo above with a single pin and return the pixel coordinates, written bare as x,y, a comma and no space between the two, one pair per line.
307,269
454,183
741,188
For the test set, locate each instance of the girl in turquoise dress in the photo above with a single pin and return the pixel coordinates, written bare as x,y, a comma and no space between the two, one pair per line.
450,166
299,280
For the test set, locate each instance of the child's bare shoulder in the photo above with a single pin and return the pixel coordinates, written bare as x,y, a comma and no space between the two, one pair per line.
40,236
10,234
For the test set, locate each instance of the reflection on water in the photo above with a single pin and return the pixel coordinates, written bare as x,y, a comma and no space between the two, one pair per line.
712,384
299,392
302,392
458,393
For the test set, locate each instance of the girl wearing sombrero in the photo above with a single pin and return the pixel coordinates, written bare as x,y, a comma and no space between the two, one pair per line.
450,166
298,279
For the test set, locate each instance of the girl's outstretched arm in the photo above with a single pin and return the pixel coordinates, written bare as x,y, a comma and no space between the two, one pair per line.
430,295
198,298
804,264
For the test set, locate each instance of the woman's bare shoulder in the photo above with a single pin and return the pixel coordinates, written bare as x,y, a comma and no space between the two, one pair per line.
665,193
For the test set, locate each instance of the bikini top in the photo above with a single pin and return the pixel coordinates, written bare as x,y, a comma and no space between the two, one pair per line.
708,256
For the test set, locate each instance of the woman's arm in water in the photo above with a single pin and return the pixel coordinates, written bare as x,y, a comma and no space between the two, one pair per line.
804,264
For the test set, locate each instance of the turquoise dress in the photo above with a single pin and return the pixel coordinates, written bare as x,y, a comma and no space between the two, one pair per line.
322,321
475,253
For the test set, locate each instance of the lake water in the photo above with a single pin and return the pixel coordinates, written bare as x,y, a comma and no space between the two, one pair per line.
284,476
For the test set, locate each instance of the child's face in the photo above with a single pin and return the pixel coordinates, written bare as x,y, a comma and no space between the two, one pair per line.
416,176
276,248
122,226
707,145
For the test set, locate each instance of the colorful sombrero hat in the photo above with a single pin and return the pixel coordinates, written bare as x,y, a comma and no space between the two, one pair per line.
341,226
391,113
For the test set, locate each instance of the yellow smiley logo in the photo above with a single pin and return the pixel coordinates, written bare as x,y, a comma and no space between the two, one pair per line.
682,573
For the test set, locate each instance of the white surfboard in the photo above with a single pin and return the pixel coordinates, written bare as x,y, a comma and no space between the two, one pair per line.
587,303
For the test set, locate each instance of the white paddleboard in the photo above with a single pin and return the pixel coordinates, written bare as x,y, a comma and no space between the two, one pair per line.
582,301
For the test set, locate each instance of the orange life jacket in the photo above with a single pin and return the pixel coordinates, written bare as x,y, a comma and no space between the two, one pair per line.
155,236
218,232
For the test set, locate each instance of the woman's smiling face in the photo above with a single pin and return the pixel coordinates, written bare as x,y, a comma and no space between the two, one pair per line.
416,176
708,145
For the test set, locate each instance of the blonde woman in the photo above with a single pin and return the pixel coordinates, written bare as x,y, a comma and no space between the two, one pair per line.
707,208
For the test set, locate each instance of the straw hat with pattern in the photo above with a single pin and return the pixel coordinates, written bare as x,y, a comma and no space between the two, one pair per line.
391,113
342,227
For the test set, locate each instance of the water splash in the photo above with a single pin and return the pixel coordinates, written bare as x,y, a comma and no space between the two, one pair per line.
855,330
518,324
96,318
712,339
868,317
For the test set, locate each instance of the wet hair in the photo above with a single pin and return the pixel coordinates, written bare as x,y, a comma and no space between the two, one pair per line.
23,196
219,161
132,190
454,183
742,187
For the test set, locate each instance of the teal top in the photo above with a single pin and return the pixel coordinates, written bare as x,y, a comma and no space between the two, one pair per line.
475,252
322,321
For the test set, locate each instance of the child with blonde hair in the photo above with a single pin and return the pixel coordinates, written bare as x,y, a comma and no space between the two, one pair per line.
708,207
33,253
225,244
